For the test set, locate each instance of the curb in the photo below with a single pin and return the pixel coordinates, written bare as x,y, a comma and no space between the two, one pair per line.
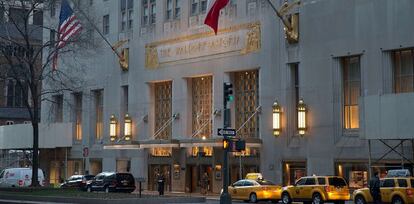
106,201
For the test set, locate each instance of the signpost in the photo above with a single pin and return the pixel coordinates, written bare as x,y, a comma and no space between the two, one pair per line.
226,132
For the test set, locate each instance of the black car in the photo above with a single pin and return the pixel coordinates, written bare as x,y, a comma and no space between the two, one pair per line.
112,182
77,181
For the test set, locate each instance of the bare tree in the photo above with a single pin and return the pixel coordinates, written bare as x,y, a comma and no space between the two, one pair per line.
25,59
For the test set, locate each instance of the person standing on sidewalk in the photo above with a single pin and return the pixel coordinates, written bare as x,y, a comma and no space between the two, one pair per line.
160,181
204,183
374,188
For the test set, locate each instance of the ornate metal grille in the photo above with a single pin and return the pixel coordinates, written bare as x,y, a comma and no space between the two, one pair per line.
163,95
247,95
202,99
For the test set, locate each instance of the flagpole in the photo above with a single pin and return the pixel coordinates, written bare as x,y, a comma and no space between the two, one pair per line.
99,32
280,15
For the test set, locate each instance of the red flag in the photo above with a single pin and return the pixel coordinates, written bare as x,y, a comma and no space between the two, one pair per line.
213,14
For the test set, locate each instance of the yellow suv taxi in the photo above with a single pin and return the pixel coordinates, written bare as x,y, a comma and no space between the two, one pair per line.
317,189
255,190
393,190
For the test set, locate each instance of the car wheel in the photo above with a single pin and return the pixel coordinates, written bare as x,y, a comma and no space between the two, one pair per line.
286,198
359,200
253,198
89,189
317,199
107,189
397,200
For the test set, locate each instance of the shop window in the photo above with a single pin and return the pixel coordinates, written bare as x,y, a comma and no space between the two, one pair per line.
246,102
163,110
403,68
123,166
202,92
292,171
351,83
355,173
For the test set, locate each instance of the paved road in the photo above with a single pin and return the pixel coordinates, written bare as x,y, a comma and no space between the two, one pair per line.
217,202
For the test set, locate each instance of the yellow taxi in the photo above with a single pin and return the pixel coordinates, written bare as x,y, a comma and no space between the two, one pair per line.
255,190
317,189
397,190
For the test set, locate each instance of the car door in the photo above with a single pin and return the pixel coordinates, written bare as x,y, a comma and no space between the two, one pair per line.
306,191
247,188
234,190
387,187
97,182
298,188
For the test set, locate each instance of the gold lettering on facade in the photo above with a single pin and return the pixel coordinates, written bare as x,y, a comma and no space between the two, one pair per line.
244,38
151,57
253,42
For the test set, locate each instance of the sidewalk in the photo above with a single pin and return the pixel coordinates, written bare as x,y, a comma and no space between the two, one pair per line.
208,196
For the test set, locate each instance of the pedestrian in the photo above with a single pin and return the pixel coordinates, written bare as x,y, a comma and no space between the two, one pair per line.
160,181
374,188
204,183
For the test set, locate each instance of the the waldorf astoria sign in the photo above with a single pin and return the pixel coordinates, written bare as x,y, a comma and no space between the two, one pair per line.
241,39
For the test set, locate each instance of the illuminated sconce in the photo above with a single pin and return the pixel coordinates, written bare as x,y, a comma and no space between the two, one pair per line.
112,128
302,117
127,127
276,119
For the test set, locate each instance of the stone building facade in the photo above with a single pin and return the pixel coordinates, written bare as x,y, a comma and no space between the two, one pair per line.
173,89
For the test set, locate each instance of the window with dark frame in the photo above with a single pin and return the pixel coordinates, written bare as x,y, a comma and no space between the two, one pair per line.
148,12
127,13
105,24
58,108
198,7
403,69
351,89
173,9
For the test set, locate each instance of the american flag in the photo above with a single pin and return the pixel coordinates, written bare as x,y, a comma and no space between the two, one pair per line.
68,27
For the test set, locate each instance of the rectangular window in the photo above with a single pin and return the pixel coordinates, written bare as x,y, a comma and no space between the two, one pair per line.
247,102
52,5
198,7
1,15
124,104
173,9
52,39
78,116
127,11
37,17
148,12
98,114
58,108
202,99
163,110
105,25
351,79
403,65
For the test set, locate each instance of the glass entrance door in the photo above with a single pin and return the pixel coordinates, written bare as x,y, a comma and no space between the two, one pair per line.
155,170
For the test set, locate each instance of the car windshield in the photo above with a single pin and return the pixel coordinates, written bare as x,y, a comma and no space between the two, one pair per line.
265,182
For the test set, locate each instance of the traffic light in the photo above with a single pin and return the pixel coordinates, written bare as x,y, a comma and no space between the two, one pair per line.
228,91
240,145
226,144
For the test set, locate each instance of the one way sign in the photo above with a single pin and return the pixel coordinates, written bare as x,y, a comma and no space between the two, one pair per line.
226,132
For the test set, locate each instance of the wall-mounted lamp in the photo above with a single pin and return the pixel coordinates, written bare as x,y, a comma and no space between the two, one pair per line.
276,118
127,127
302,117
112,128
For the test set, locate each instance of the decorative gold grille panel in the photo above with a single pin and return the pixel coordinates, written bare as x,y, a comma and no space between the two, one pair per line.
202,92
163,95
247,97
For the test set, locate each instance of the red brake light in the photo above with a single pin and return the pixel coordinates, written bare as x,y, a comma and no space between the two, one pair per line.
21,183
327,189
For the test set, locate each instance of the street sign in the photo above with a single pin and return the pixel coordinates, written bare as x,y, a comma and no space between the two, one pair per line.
226,132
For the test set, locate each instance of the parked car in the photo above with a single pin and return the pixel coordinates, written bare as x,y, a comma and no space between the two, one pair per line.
393,190
19,177
317,189
77,181
112,182
255,190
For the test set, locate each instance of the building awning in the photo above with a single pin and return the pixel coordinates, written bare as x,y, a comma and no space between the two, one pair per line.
145,144
215,142
122,146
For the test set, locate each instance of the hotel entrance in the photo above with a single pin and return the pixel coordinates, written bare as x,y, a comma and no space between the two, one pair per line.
154,171
195,179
